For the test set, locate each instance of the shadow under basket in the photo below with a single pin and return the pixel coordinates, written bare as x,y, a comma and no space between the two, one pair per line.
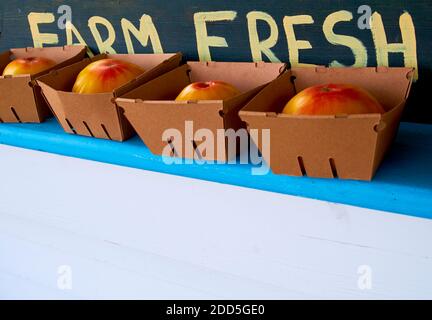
97,115
20,97
341,146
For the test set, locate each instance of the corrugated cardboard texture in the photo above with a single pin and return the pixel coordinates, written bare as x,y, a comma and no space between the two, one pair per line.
347,147
151,108
97,115
20,97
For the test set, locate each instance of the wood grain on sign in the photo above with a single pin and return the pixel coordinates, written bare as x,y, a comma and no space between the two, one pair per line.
324,32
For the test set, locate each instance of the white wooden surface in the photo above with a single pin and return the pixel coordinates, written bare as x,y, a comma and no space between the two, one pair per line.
126,233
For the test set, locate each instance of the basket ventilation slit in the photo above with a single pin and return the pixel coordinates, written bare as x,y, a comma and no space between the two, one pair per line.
301,165
195,146
16,114
71,126
173,150
88,128
106,131
333,167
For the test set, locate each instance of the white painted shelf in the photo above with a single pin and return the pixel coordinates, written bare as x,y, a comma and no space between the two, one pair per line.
129,233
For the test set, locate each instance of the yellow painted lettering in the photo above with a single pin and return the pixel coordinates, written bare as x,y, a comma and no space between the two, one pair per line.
72,31
294,45
204,41
357,47
39,39
147,31
408,46
104,46
260,47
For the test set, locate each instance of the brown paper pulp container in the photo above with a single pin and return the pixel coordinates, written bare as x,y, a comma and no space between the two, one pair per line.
344,146
151,108
20,97
97,115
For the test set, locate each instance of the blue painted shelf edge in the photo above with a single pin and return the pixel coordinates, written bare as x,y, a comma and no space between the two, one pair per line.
403,183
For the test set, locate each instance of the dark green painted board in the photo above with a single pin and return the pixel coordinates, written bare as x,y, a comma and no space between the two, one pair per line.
174,21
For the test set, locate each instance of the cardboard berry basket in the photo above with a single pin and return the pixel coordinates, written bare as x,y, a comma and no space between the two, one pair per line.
152,109
340,146
20,97
97,115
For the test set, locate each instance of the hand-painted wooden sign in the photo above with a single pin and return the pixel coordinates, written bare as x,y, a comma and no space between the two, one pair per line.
306,32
